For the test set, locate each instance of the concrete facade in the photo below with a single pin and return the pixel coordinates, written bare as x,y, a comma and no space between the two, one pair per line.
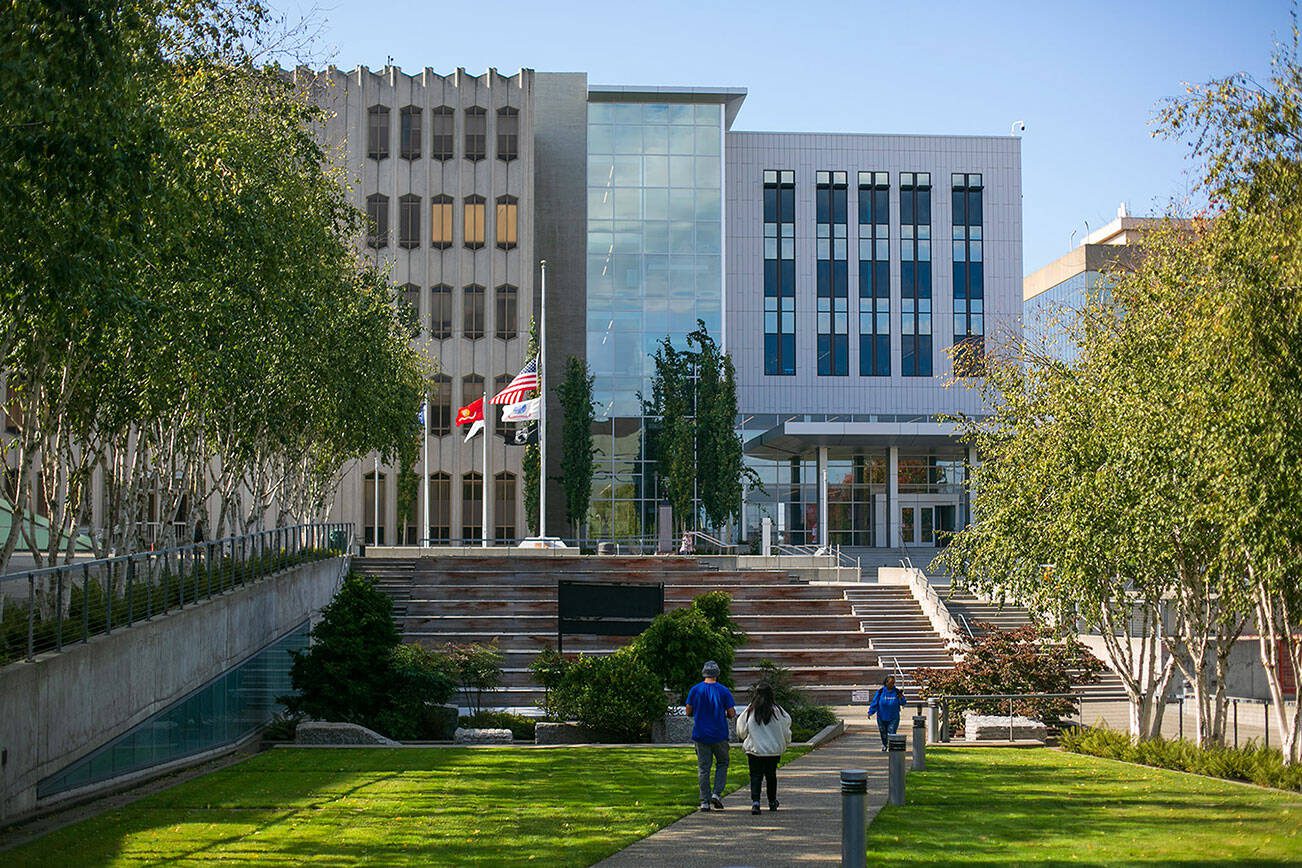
62,706
348,98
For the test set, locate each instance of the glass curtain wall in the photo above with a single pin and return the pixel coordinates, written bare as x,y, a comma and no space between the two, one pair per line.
655,266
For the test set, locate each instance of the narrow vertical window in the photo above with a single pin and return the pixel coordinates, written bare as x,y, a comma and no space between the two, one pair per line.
779,273
472,504
508,222
832,280
377,220
443,133
969,276
473,223
440,316
472,325
377,132
508,133
409,133
915,274
506,312
504,507
476,133
472,388
440,405
440,508
874,275
440,221
409,308
409,209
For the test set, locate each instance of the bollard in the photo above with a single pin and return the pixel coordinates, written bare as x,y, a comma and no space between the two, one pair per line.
854,818
919,742
895,760
933,722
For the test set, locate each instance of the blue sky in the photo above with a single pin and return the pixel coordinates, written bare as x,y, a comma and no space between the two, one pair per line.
1085,76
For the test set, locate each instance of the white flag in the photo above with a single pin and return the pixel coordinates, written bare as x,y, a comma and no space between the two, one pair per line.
522,411
475,428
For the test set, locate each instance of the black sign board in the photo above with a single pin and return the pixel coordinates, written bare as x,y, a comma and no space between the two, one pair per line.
606,608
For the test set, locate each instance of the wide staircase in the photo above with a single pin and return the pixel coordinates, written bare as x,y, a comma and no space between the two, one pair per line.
811,629
898,631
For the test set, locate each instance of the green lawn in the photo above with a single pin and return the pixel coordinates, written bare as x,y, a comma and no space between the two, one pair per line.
1018,806
436,806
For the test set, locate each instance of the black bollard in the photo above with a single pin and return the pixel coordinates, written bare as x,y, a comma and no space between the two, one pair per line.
919,742
854,818
895,773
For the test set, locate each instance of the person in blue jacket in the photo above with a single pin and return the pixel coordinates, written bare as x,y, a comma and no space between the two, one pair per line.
886,704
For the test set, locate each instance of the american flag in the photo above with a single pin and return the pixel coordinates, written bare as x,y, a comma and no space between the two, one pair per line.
525,382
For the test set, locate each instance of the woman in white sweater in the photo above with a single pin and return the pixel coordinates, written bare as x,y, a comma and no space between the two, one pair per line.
765,730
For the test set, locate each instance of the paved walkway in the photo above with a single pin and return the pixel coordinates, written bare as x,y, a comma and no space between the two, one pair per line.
805,830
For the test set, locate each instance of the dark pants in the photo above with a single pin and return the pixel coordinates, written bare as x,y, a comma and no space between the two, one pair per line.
763,769
718,752
887,728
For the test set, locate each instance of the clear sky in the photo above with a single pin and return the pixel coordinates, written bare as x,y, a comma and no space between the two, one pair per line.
1084,76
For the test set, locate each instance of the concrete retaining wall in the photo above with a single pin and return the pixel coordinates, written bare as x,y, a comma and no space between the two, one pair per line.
62,706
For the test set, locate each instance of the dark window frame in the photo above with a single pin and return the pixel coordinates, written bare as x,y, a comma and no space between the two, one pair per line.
916,310
476,137
779,272
474,201
831,275
443,133
377,221
440,302
377,132
508,133
473,312
409,211
967,254
874,274
512,222
409,132
506,312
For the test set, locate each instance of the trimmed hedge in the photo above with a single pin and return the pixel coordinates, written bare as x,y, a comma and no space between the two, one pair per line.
1252,763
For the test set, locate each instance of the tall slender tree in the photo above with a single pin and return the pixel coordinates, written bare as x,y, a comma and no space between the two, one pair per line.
575,394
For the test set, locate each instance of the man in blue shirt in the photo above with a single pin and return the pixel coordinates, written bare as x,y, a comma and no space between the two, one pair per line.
710,705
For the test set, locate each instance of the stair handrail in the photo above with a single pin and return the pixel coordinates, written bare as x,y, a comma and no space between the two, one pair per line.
942,621
966,626
717,543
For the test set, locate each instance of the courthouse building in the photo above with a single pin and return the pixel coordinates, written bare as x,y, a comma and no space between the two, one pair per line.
838,270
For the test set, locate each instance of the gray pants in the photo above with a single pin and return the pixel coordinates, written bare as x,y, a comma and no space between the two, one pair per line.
718,752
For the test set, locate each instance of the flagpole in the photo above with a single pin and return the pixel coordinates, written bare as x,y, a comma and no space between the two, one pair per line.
483,506
424,482
542,404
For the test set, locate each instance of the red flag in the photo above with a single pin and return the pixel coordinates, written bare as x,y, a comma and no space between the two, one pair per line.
472,412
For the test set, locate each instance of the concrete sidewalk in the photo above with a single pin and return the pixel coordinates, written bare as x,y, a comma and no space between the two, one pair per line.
806,829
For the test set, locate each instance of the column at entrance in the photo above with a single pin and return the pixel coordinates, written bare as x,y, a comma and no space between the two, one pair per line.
822,497
893,497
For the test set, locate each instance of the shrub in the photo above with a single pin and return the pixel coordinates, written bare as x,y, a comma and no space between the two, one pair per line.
347,673
616,696
806,718
1024,660
679,641
478,670
522,728
422,681
548,670
1252,762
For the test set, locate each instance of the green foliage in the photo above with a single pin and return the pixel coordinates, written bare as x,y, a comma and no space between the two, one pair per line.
1254,763
522,728
421,682
548,670
346,675
1023,660
575,395
716,606
692,438
477,669
615,695
282,728
678,642
807,719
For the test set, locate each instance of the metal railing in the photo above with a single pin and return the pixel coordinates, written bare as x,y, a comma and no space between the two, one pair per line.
45,609
701,536
967,628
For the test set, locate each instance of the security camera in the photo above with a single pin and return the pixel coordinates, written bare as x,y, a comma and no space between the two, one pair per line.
1018,127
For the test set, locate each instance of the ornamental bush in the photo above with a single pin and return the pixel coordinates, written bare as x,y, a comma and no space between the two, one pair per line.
1027,659
615,695
1259,765
678,642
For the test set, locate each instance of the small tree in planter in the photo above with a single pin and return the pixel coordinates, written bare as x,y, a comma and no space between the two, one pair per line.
1027,659
478,669
679,641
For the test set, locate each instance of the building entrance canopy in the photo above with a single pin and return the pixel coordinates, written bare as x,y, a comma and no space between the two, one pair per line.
800,436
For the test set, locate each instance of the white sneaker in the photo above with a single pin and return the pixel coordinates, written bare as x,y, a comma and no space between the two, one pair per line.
705,806
716,802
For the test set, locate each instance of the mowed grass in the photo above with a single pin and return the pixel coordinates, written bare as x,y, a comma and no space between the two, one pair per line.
377,806
1021,806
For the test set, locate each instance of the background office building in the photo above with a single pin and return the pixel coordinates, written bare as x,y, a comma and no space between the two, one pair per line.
838,270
